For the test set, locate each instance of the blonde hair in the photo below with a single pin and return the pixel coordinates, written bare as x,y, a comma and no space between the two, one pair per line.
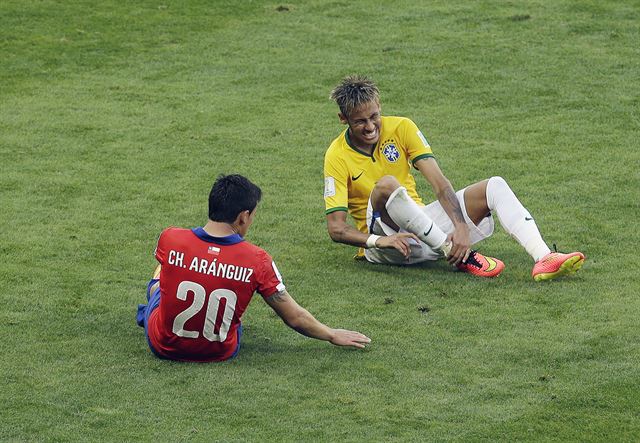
353,91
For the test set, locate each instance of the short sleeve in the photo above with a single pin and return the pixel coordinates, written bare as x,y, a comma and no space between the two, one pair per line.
269,280
415,142
336,196
160,251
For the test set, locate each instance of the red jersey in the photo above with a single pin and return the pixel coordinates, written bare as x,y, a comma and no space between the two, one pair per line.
206,283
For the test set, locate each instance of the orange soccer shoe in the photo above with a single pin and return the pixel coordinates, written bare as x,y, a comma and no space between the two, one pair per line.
557,264
478,264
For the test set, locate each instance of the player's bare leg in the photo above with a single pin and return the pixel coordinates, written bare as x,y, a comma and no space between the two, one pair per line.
475,201
380,195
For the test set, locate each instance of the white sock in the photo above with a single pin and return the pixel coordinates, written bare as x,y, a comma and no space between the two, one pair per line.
514,218
407,214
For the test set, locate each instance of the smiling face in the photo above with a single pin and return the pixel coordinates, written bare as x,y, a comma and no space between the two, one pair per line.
364,125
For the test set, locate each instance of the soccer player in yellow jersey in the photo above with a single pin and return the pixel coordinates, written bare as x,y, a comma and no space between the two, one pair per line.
366,174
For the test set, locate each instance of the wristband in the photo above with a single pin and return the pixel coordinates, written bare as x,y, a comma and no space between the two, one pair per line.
371,241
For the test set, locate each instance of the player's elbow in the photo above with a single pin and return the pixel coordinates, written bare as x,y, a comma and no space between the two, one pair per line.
335,231
334,234
337,226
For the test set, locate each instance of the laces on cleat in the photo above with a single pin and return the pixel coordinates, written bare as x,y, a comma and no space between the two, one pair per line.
555,249
472,260
482,266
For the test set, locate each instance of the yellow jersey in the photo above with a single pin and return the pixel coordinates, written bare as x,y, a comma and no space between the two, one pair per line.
350,175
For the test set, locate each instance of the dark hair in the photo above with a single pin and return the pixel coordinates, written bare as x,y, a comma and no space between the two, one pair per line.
230,195
353,91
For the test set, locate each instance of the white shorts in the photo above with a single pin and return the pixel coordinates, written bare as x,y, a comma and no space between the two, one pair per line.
421,251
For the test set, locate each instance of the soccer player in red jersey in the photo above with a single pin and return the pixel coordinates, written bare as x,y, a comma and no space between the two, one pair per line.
206,279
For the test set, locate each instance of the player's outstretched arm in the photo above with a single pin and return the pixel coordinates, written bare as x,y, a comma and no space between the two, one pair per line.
299,319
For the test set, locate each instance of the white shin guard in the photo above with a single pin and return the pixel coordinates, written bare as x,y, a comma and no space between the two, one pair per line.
407,215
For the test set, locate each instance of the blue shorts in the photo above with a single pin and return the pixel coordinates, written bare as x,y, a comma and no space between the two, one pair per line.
153,301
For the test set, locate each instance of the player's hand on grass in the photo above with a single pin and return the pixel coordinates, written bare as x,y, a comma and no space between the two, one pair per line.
342,337
460,247
400,242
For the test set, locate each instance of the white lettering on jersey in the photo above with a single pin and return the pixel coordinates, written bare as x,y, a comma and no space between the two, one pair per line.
175,258
221,270
212,268
329,187
423,138
248,272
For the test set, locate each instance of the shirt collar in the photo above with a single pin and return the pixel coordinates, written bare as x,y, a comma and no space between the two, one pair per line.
228,240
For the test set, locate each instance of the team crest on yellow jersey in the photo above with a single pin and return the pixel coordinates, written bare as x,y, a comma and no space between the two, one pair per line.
390,151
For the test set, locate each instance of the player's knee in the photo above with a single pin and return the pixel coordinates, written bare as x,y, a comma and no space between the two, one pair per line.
386,185
497,189
498,181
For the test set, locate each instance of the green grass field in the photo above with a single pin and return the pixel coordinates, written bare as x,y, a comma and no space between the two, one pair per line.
115,117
